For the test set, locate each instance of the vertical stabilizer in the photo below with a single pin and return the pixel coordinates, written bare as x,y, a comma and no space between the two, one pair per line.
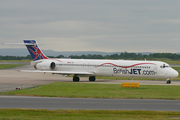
34,50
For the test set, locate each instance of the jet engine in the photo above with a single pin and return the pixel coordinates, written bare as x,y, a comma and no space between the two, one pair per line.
45,66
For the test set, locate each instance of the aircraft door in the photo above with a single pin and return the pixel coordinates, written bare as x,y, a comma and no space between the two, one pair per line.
155,69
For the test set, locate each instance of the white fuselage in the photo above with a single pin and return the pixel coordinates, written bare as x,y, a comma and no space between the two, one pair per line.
119,68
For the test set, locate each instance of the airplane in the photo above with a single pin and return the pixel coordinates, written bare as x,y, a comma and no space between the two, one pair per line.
94,67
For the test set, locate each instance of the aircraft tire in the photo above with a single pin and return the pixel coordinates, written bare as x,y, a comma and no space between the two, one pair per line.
168,82
75,79
92,78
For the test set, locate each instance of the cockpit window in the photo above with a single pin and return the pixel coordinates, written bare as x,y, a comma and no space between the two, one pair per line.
164,66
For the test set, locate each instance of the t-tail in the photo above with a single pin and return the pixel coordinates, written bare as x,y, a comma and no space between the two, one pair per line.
34,50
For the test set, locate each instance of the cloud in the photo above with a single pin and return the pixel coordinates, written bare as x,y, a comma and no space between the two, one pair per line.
167,21
93,25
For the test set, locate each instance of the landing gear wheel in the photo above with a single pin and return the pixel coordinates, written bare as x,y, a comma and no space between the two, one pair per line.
168,82
92,78
75,79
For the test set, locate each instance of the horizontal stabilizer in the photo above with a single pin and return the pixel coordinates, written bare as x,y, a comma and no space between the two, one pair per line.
18,44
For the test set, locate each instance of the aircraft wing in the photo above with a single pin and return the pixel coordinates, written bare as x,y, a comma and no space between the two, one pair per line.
61,72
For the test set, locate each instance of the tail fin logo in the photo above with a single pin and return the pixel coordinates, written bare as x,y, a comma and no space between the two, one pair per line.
35,52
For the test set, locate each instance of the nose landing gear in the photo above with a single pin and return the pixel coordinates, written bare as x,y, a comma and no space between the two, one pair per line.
168,81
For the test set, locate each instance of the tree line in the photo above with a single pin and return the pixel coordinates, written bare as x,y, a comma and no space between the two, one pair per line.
123,55
130,56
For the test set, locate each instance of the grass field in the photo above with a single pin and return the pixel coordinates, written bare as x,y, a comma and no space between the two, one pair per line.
5,66
89,90
171,62
31,114
176,68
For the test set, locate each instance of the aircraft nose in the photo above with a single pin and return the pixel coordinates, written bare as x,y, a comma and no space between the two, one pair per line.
175,73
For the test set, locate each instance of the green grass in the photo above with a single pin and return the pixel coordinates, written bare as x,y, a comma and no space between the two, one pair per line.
89,90
166,60
5,66
32,114
176,68
172,62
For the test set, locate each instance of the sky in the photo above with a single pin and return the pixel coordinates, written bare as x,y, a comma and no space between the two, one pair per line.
92,25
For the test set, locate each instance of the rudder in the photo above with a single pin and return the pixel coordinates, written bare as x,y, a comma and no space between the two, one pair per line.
34,50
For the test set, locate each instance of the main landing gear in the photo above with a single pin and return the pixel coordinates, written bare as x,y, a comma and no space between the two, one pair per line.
76,78
168,81
92,78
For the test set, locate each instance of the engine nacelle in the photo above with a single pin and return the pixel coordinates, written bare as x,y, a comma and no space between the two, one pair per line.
45,66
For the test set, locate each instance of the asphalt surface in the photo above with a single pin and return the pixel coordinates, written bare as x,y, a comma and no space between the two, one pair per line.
52,103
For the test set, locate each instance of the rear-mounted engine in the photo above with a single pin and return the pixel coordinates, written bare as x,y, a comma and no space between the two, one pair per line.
45,66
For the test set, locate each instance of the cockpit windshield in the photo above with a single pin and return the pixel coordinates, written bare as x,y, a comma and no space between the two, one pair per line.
165,66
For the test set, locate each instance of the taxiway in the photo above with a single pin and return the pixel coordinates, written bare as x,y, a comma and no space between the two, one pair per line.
53,103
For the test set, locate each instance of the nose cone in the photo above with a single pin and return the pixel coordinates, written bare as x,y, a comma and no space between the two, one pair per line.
174,73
